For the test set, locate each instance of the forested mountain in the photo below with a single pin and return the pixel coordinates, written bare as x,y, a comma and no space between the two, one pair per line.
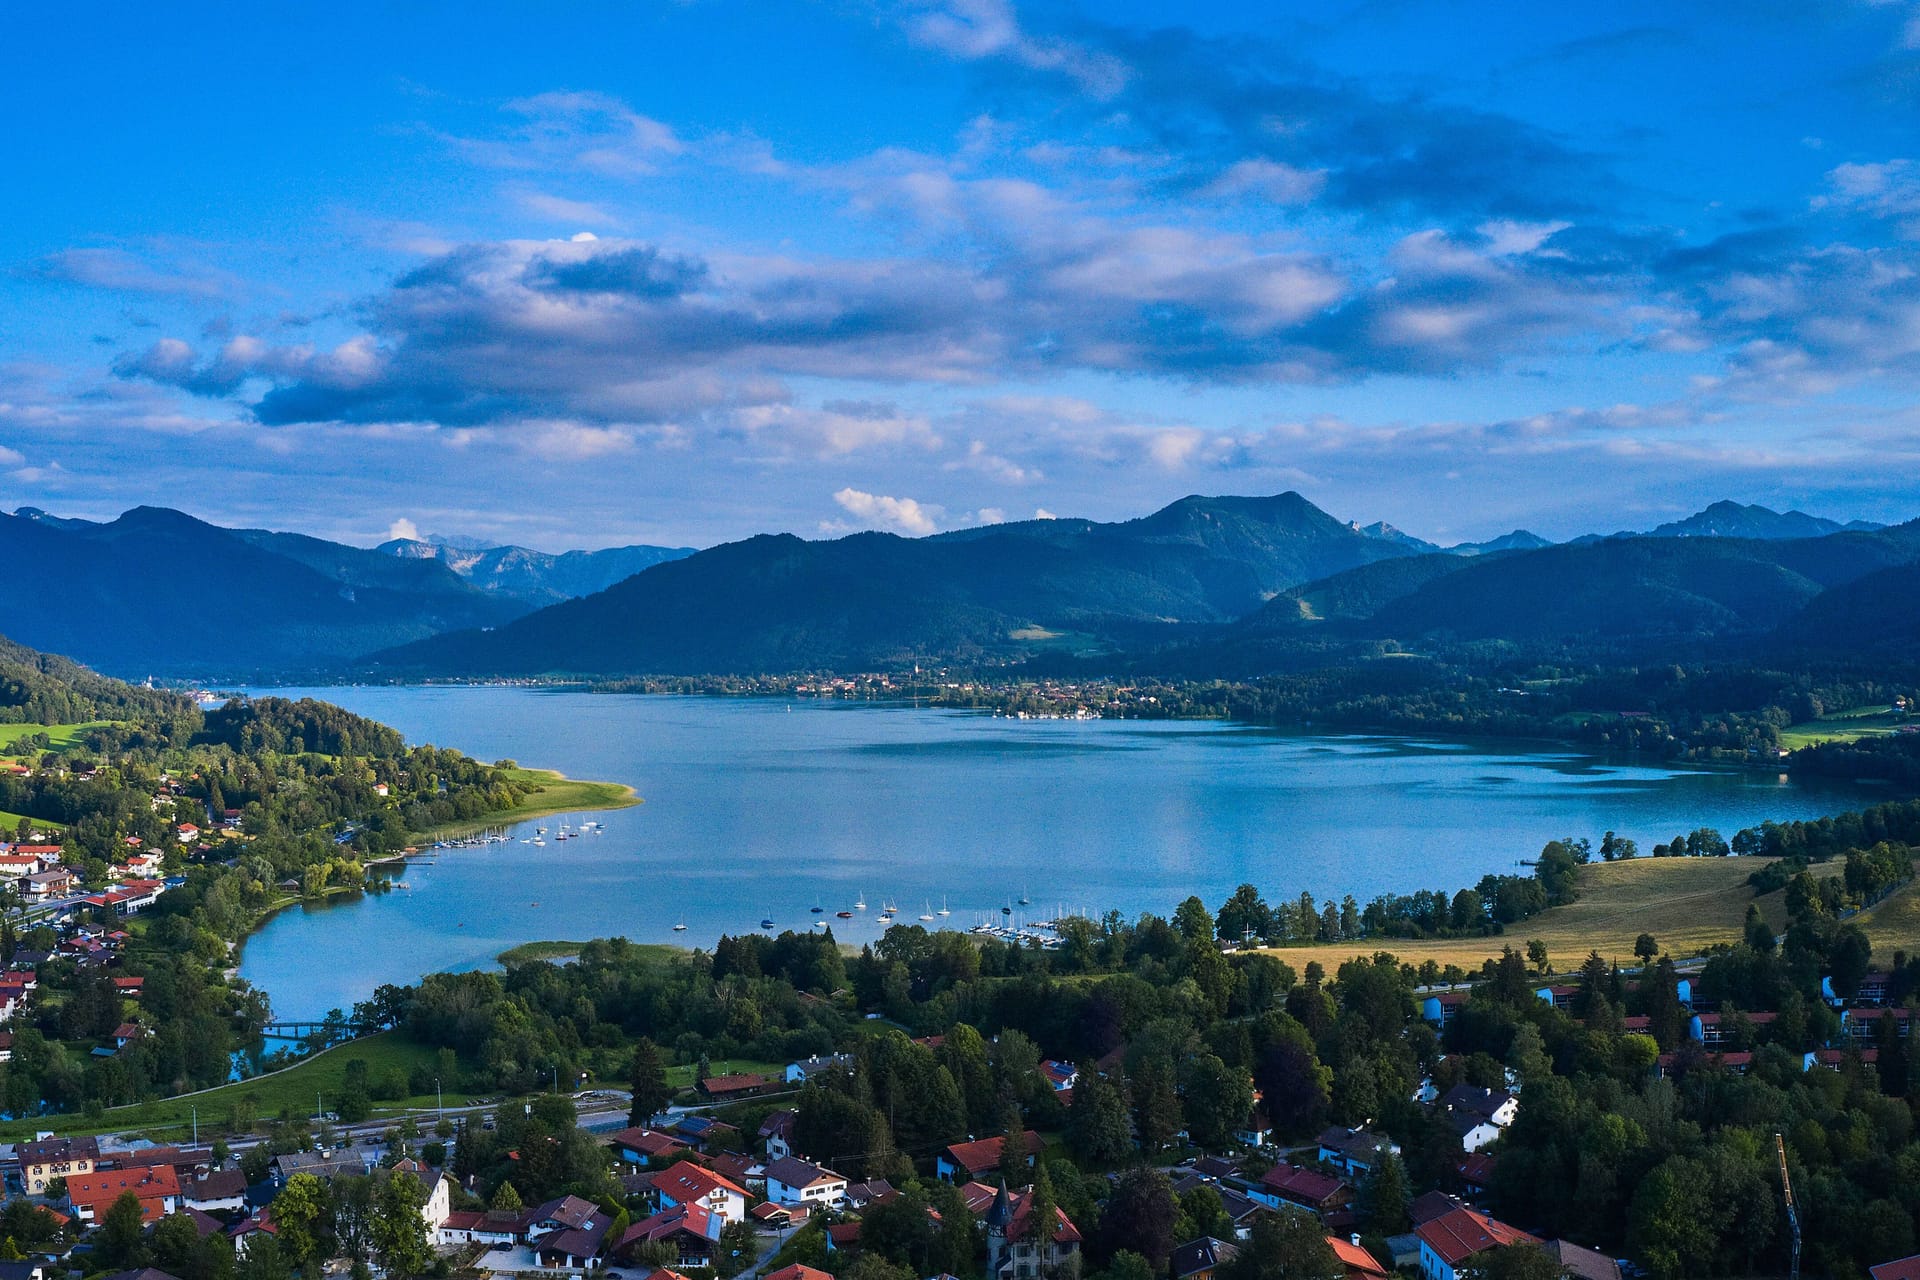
159,591
1636,592
1733,520
781,603
537,577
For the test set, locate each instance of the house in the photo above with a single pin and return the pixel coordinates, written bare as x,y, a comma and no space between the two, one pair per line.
131,988
795,1181
644,1146
779,1217
969,1160
248,1230
436,1195
1472,1131
690,1230
1014,1251
157,1187
1356,1262
1308,1188
777,1132
1255,1131
224,1192
1476,1173
47,1158
832,1065
1060,1076
574,1249
318,1163
1354,1151
1440,1007
1900,1269
1197,1259
1581,1263
186,833
1861,1025
688,1183
1452,1238
798,1271
1496,1106
490,1227
703,1131
872,1191
43,886
127,1033
745,1170
731,1087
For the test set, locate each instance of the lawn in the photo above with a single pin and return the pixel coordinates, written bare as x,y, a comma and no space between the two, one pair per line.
1844,726
10,822
62,737
294,1089
1687,904
560,950
556,793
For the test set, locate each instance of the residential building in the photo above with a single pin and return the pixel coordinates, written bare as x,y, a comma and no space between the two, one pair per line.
157,1188
965,1161
689,1183
795,1181
644,1146
834,1064
1197,1259
690,1230
1449,1240
1357,1263
1014,1251
1354,1151
45,1159
777,1132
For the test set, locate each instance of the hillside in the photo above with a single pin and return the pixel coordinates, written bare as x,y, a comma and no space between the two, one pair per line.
536,577
157,591
1735,520
781,603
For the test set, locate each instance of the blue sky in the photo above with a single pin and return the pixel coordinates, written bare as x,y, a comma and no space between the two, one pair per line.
577,275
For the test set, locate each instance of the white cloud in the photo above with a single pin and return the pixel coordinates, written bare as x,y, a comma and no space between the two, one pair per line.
403,530
903,514
973,30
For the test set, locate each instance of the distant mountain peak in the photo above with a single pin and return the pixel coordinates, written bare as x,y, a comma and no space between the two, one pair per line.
1387,533
1729,519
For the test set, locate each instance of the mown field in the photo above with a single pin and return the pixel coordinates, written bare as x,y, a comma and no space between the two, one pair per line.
296,1090
1843,726
60,737
1687,904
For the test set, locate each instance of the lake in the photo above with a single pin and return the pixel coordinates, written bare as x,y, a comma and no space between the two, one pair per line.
763,807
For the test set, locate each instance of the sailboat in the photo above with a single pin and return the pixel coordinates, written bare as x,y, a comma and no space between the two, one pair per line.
681,927
944,909
928,913
1024,899
860,903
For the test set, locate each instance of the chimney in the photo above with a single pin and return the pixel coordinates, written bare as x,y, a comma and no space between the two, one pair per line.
1354,1240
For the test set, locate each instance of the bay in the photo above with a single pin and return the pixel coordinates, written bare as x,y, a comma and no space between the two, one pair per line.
765,808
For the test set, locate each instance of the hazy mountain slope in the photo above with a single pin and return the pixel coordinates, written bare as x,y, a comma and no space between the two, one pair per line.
1355,595
159,591
1735,520
537,577
780,603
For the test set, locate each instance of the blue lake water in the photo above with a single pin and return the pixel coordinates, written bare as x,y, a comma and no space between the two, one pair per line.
760,808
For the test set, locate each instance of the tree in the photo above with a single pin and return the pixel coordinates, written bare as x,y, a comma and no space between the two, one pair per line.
1097,1129
1013,1147
263,1259
505,1199
1139,1217
399,1232
1646,948
1385,1195
120,1243
1537,956
739,1249
1219,1099
1156,1104
1284,1246
648,1079
1515,1262
302,1214
1041,1209
1128,1265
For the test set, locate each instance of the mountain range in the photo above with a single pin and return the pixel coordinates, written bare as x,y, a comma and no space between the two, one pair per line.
1264,579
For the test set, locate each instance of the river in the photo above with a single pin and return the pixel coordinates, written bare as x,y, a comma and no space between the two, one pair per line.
766,808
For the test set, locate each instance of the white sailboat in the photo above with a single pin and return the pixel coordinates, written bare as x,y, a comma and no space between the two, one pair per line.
944,910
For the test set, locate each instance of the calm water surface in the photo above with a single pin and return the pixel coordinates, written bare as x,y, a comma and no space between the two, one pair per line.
767,808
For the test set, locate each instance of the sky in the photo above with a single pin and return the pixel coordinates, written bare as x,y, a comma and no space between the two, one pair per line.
578,275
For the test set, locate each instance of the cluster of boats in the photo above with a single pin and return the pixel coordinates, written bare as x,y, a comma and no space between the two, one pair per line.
567,832
1041,931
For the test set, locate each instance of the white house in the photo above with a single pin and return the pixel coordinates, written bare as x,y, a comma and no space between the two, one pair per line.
688,1183
793,1181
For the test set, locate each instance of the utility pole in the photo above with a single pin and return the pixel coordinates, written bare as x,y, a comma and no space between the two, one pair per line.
439,1099
1793,1216
196,1126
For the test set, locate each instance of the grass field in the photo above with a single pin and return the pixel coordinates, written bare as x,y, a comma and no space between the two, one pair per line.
1687,904
294,1089
10,822
556,793
61,737
1843,726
